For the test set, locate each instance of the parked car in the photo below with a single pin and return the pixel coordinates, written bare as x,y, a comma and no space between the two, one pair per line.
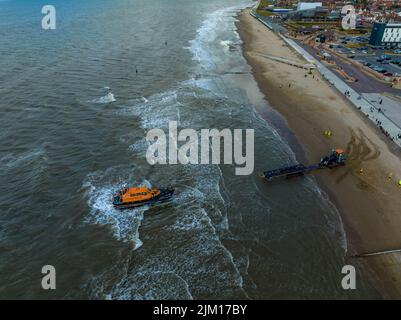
388,74
396,61
385,62
398,51
379,69
368,64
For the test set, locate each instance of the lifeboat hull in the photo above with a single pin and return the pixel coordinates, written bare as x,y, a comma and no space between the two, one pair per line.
165,195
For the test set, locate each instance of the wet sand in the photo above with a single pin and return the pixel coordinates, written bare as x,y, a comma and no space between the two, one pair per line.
369,202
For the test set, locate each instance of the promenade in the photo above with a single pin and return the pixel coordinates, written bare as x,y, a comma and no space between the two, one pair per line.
386,118
382,117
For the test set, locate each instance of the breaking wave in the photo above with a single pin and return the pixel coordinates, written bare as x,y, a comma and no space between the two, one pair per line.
125,224
108,98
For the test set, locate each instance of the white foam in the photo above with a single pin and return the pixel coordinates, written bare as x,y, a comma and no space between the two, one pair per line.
108,98
124,223
12,160
208,33
226,44
139,147
157,111
199,206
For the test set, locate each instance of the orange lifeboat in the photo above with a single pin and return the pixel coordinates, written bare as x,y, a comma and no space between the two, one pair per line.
139,196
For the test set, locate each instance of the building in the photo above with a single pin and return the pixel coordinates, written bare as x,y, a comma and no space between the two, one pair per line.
384,34
385,4
311,15
286,3
279,10
308,5
334,15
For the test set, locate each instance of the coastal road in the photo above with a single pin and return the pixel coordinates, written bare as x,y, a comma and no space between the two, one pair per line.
387,124
365,82
277,28
354,94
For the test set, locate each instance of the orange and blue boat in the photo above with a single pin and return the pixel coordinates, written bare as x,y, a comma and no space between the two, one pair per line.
138,196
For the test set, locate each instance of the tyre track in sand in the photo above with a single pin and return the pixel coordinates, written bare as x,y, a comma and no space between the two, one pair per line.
360,149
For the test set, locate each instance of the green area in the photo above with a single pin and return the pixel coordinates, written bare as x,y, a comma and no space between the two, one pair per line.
260,10
264,3
354,32
312,23
355,45
265,13
298,25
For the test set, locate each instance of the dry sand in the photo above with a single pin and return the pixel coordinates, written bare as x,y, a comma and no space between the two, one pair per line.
369,203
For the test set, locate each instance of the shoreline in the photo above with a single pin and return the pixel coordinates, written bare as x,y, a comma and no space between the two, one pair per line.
367,202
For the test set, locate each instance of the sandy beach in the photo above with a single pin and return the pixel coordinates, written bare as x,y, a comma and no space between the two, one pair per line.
369,201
